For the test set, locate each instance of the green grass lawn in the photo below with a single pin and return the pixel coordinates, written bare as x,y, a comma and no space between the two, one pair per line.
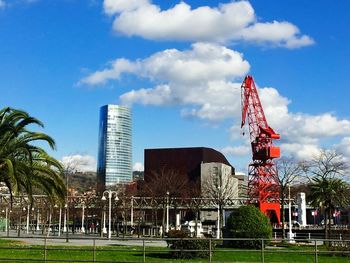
20,251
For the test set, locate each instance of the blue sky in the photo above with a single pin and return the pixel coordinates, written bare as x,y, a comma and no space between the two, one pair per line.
179,66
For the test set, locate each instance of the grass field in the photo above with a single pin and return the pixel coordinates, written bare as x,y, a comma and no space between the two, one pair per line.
23,252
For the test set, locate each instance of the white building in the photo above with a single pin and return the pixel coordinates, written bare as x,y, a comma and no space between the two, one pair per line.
217,181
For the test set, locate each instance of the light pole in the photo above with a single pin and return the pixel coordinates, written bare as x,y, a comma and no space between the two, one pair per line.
37,220
67,207
132,211
110,193
28,213
104,230
59,221
167,213
6,219
82,218
218,223
65,219
290,233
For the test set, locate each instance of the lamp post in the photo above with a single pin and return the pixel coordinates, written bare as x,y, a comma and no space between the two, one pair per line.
65,219
290,233
110,194
83,218
219,215
6,218
28,213
59,221
104,230
167,213
132,211
37,220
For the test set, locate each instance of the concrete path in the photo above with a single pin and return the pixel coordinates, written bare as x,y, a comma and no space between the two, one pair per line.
83,240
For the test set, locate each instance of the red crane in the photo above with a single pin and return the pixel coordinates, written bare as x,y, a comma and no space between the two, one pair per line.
263,187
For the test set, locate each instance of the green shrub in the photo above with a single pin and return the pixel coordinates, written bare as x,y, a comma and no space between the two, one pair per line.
247,222
184,243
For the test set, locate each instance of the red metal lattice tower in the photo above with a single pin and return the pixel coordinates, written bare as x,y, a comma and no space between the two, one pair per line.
263,187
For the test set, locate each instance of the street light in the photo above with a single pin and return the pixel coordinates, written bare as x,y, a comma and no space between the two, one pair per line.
167,212
290,233
219,215
110,193
83,218
59,221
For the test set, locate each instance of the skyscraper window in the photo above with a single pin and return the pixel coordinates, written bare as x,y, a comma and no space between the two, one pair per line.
115,146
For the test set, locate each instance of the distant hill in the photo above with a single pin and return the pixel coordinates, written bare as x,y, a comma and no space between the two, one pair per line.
82,181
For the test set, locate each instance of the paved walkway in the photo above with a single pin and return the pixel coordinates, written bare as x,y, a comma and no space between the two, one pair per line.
83,240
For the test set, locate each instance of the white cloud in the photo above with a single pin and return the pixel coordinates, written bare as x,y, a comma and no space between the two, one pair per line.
160,95
234,21
199,77
138,167
82,163
112,6
282,34
2,4
205,81
300,151
116,68
344,147
241,150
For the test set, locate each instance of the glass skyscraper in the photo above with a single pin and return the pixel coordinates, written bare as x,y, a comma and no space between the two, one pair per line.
115,146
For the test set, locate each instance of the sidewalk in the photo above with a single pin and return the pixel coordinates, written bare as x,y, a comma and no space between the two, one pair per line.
82,240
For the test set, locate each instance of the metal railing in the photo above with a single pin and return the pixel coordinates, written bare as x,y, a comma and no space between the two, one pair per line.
157,250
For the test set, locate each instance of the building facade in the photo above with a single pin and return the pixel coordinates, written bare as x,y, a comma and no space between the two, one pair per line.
186,161
218,179
115,146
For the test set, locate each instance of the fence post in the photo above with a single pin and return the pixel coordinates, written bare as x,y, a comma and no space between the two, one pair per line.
144,250
94,250
316,260
210,252
262,251
45,250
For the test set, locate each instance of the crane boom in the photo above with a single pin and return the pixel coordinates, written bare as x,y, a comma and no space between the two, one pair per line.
262,173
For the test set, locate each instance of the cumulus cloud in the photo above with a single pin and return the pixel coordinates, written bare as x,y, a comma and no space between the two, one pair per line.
234,21
302,135
200,77
205,81
81,163
138,167
344,147
113,72
241,150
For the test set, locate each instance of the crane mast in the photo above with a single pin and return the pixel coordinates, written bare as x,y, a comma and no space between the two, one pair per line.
263,186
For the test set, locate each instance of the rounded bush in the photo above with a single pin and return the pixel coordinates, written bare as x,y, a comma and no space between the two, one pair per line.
247,222
184,247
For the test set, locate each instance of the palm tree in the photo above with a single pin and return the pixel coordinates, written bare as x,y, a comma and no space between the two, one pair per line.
328,193
26,168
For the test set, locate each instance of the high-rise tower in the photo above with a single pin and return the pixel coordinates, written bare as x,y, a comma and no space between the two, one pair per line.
114,149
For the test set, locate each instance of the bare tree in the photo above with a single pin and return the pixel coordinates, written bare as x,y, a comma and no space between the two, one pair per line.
288,170
327,164
164,185
328,189
164,181
219,186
